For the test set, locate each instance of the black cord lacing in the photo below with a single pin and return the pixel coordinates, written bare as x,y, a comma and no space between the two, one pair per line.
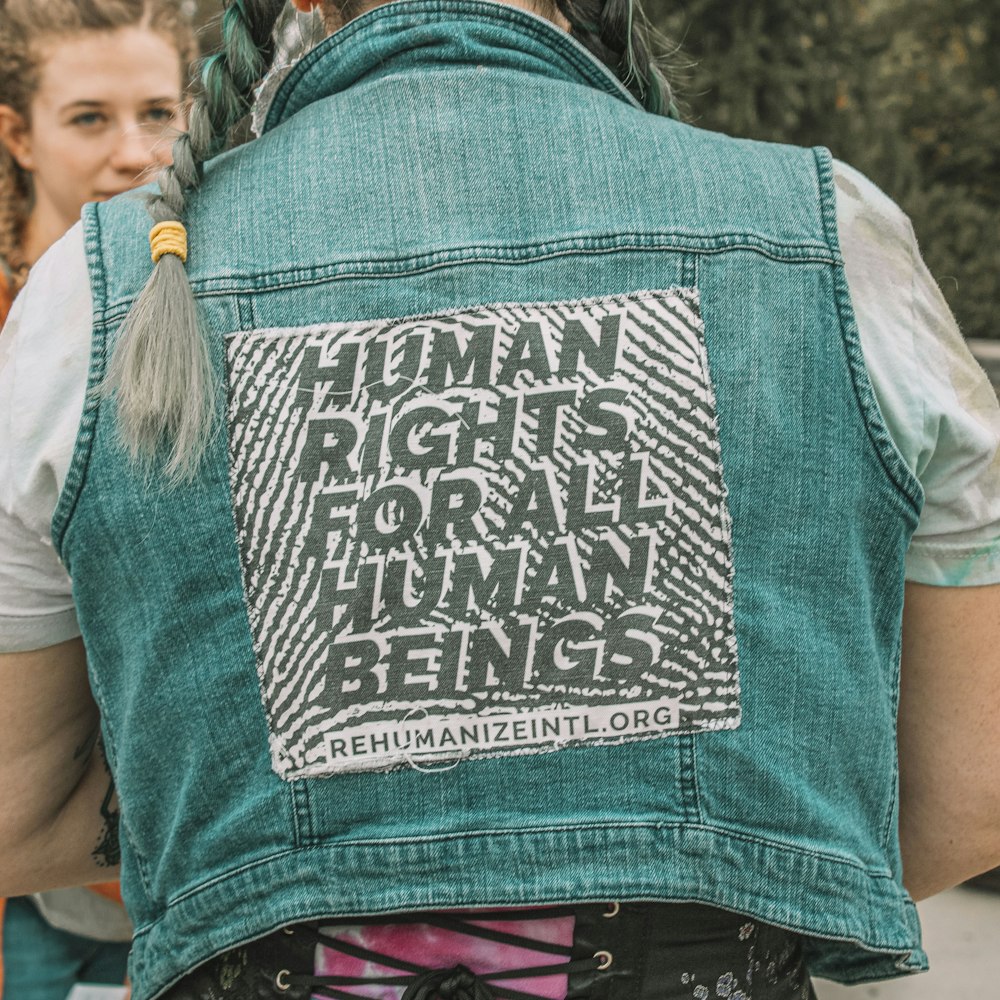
458,983
455,983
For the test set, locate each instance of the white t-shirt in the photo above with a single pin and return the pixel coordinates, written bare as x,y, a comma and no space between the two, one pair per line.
938,405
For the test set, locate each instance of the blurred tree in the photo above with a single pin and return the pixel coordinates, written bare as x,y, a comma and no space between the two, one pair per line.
939,76
765,70
906,90
206,14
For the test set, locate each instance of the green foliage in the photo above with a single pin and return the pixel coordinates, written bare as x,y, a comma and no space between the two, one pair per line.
905,90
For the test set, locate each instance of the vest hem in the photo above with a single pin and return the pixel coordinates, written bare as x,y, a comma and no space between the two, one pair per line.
875,936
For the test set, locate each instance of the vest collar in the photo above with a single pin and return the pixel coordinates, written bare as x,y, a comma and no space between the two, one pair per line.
408,34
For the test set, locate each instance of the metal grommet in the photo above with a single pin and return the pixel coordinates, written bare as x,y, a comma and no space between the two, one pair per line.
612,910
280,983
604,960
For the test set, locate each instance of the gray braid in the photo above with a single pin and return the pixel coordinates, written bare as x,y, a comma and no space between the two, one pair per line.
617,32
161,370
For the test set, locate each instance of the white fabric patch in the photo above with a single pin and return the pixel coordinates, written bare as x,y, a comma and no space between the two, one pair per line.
501,530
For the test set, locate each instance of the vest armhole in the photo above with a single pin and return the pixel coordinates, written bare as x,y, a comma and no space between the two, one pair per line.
899,473
76,473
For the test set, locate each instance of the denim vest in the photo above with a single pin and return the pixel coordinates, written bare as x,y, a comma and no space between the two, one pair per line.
551,547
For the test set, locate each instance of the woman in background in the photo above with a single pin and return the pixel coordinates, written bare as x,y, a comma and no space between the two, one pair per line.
90,103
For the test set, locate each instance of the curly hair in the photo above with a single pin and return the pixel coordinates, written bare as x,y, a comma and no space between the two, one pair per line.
25,27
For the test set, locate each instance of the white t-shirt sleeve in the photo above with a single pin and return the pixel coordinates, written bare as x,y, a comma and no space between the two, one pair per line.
44,360
937,402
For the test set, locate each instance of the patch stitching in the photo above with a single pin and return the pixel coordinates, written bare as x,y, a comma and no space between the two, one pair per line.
348,484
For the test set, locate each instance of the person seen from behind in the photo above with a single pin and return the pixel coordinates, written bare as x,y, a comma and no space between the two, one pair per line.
524,546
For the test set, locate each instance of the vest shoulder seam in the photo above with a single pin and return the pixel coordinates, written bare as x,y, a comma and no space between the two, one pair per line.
804,252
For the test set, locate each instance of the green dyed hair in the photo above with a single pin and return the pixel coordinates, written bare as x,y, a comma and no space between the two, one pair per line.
618,33
160,369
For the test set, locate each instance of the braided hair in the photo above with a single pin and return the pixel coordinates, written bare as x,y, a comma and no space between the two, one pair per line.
160,369
617,32
25,27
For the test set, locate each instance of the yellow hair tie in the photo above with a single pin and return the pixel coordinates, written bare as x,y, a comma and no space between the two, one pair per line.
168,237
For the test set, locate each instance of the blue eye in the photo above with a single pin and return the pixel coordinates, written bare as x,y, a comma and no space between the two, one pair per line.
163,115
87,119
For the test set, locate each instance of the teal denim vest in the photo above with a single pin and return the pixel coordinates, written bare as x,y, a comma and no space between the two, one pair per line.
463,609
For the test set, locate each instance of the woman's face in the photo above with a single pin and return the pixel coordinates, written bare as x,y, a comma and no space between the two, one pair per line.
102,121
